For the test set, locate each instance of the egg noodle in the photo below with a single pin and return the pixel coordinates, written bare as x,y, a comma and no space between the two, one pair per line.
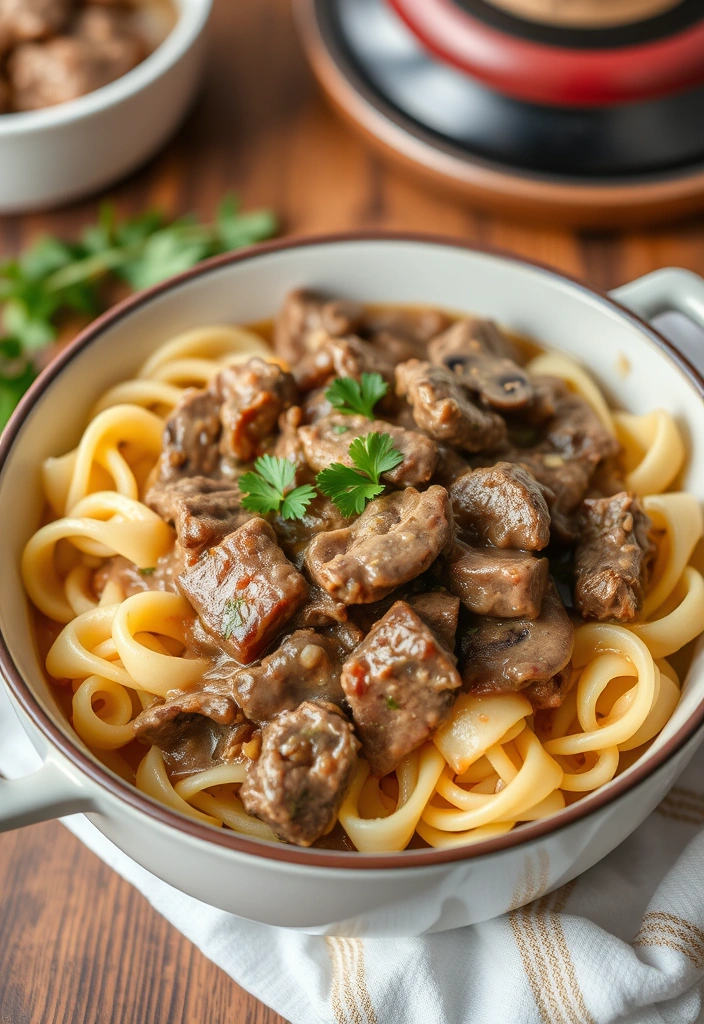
493,764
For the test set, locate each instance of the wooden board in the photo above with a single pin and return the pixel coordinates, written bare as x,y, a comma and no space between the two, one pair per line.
77,944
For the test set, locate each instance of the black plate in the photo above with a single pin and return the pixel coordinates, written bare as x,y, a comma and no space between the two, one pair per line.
633,139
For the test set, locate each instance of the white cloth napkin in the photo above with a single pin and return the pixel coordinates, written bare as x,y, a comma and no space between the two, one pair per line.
624,942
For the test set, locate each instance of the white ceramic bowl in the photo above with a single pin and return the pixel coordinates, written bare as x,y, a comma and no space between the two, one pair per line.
319,890
51,156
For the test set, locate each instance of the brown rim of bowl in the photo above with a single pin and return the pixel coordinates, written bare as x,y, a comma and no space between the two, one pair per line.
318,858
659,195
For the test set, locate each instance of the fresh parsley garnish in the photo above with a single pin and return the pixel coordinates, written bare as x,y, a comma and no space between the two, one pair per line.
353,397
232,618
392,705
351,488
339,429
148,571
265,489
56,284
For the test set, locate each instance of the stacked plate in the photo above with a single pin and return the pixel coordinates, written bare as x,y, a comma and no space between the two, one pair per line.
589,111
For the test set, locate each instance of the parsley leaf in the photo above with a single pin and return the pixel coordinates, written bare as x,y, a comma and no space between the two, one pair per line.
375,454
350,489
233,618
392,705
265,489
351,397
55,280
150,569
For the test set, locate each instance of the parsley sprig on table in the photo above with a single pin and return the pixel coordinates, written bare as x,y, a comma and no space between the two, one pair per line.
353,397
351,488
55,280
267,485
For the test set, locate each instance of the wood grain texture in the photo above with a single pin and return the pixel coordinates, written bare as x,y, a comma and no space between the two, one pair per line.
77,944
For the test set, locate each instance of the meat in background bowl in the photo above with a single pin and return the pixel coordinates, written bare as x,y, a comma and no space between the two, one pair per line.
55,154
339,892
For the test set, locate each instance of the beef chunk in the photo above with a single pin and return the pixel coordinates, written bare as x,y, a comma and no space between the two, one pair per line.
440,611
191,437
612,558
450,466
442,407
551,693
396,538
203,511
253,395
195,731
400,683
502,505
575,431
307,317
404,334
306,666
244,590
320,610
564,483
512,654
473,351
341,357
504,584
323,444
43,74
307,763
288,444
294,535
23,21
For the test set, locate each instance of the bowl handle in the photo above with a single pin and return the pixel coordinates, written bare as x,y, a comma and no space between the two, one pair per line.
664,291
47,793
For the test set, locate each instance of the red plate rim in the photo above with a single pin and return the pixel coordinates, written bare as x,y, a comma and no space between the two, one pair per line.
539,73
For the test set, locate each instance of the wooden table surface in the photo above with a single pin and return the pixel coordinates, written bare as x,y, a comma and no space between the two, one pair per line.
77,944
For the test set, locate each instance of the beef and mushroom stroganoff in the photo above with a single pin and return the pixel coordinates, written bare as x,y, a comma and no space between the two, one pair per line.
386,584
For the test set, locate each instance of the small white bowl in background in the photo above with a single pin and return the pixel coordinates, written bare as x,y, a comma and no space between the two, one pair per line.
51,156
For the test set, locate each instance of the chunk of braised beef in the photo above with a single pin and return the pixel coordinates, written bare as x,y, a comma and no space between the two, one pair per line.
440,611
574,430
306,317
328,441
403,334
475,352
451,465
612,558
305,666
252,396
564,483
305,768
294,535
504,655
48,72
320,610
288,444
443,408
194,731
191,438
203,511
504,584
244,590
502,505
400,683
550,694
396,538
342,357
